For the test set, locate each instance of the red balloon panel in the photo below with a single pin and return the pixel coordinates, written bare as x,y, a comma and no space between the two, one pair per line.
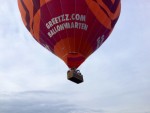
70,29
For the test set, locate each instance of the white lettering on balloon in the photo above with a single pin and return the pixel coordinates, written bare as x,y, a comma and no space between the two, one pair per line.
66,21
100,40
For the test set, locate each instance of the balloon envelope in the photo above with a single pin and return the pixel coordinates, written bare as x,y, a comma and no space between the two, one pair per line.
70,29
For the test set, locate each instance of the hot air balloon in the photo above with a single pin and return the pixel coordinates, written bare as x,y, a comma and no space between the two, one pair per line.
70,29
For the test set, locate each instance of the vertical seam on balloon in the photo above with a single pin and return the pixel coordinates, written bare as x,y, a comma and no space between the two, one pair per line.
53,38
74,29
86,41
63,44
65,29
61,40
83,31
74,34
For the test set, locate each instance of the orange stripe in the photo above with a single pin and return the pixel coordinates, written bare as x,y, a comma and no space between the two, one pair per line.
86,52
36,26
43,2
99,13
29,5
117,13
31,15
60,49
111,15
65,42
113,1
23,13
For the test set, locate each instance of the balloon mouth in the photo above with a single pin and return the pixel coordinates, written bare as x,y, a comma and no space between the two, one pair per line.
74,59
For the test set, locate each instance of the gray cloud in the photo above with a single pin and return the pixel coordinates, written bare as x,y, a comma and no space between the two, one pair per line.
39,102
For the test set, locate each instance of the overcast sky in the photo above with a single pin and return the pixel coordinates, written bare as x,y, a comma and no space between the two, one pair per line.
117,76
